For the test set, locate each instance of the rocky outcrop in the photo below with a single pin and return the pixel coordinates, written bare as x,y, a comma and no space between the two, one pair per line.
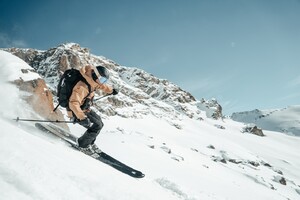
40,99
28,55
154,87
212,108
251,128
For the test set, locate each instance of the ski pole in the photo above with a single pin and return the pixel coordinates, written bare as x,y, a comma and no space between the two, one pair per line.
37,120
101,97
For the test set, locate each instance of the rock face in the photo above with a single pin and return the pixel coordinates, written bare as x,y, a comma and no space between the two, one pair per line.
253,129
140,94
40,98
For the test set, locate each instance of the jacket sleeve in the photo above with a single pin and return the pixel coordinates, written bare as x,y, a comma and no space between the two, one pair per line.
76,100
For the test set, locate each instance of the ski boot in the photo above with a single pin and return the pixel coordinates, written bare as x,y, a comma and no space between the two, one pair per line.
96,148
89,151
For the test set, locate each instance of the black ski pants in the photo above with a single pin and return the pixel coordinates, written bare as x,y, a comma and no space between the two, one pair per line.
91,133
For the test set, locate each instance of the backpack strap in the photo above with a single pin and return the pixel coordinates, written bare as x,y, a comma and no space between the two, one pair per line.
89,87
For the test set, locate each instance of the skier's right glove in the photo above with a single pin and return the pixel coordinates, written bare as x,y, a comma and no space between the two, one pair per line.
85,123
74,119
115,91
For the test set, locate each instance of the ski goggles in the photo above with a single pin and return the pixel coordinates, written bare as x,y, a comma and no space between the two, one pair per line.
101,79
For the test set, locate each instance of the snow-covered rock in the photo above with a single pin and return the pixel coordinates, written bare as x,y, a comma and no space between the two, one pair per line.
252,128
212,107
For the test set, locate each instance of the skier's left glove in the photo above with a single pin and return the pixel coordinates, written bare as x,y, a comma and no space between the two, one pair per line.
87,104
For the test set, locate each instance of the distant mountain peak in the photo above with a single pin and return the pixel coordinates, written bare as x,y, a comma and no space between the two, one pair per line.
285,120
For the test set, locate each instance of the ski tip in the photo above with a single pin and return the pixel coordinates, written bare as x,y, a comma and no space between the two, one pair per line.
142,176
138,174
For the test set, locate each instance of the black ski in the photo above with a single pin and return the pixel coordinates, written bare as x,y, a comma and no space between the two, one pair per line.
103,157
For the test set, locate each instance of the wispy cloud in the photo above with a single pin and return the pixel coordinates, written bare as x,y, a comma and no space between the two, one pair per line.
232,44
232,106
98,30
6,41
203,84
294,82
290,96
206,84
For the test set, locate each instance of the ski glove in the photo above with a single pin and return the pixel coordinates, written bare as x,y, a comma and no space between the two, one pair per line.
115,91
86,123
87,104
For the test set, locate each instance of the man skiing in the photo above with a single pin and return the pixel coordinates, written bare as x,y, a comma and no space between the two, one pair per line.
81,100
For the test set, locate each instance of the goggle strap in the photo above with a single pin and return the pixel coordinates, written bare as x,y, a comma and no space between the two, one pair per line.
96,71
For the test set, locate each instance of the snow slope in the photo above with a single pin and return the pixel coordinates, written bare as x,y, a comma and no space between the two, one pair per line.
10,70
198,161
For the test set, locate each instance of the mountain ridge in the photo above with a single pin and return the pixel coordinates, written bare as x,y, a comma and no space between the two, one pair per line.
136,86
284,120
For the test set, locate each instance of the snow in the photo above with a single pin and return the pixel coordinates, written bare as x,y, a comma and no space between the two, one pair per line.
10,70
178,163
13,67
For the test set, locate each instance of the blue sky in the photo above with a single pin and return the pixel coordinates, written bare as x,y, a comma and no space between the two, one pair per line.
244,53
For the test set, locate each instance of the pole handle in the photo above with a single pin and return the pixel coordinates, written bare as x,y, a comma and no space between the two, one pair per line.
101,97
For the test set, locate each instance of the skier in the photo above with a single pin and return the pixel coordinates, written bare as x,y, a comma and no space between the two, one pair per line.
80,102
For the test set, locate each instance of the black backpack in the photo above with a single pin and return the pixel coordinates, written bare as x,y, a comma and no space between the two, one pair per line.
66,84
